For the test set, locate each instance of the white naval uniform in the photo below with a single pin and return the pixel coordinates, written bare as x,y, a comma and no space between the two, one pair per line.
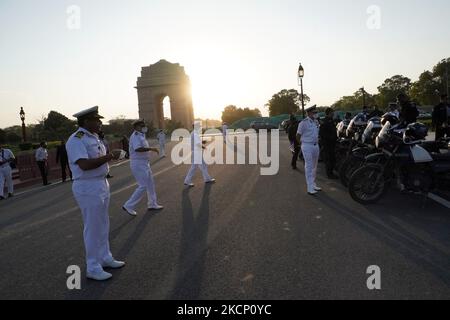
140,167
224,132
91,191
197,159
309,132
6,172
162,143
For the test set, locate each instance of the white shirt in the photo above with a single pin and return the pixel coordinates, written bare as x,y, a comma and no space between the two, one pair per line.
137,141
5,155
86,145
309,131
161,137
41,154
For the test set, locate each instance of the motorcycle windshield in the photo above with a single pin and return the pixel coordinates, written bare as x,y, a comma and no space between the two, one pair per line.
383,134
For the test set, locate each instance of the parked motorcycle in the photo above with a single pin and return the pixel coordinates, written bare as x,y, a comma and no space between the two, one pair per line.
403,162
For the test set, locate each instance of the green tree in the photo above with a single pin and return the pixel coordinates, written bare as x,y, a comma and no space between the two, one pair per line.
231,114
286,102
442,74
425,89
391,88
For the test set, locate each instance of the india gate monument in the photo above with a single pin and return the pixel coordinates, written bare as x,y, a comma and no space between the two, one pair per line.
160,80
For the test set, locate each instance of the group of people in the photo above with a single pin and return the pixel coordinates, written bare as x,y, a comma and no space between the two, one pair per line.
88,161
306,135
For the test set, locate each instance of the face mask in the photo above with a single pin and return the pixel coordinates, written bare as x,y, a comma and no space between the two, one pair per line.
144,130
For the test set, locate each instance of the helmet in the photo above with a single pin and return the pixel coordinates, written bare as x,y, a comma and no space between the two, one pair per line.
416,131
389,117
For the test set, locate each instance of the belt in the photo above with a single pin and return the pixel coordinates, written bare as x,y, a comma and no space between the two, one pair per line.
93,178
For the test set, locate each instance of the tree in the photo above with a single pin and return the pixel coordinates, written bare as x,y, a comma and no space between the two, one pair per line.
425,89
231,114
391,88
2,136
354,102
441,72
286,102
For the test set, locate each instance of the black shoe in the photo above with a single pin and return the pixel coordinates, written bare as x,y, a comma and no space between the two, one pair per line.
10,195
109,176
294,168
2,198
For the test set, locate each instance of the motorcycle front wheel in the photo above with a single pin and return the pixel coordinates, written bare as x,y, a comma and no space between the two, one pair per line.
348,167
367,184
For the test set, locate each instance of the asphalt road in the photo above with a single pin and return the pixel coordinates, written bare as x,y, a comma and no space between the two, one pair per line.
246,237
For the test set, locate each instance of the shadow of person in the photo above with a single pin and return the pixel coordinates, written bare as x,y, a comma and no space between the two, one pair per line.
194,243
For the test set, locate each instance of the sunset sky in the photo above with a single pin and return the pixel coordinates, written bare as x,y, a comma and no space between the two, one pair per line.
235,52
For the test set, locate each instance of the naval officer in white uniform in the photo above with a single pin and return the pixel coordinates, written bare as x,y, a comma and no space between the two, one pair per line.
161,136
197,158
6,157
308,136
88,161
140,167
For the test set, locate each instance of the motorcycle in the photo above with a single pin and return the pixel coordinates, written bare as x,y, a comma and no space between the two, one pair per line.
403,161
356,158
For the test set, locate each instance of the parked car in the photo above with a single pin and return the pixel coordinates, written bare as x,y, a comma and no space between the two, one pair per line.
261,125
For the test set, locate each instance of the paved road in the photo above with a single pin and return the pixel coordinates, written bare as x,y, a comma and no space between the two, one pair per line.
246,237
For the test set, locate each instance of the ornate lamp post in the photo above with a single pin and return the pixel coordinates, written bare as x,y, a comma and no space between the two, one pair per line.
301,74
24,132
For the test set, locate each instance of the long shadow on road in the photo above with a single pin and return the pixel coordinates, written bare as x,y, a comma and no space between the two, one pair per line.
194,243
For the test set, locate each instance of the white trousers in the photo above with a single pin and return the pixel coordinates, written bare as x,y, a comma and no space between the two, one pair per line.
162,149
144,176
6,175
203,168
311,156
93,197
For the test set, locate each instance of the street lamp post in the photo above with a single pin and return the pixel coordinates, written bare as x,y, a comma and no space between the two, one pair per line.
24,132
301,74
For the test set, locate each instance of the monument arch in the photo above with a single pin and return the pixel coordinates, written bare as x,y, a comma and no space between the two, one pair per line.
158,81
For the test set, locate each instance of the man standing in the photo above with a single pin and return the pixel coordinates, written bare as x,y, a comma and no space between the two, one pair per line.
328,139
197,157
42,162
161,136
441,117
224,132
88,161
408,111
140,167
308,136
292,132
6,157
61,157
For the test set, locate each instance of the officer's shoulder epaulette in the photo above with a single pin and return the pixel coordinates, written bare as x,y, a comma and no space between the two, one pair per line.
136,133
79,134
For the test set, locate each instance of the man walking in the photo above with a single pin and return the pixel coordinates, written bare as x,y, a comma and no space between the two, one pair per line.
197,157
308,136
88,161
42,162
140,167
6,158
161,136
328,139
61,157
